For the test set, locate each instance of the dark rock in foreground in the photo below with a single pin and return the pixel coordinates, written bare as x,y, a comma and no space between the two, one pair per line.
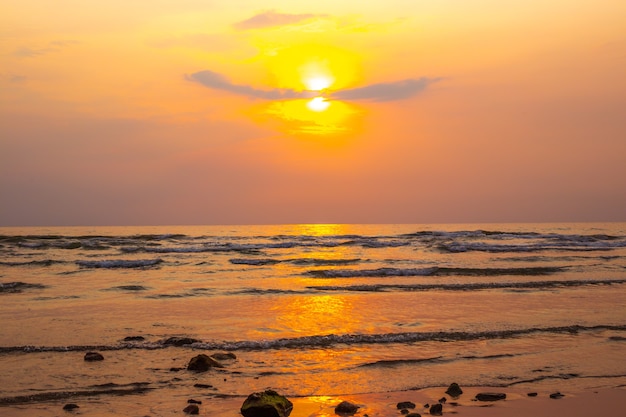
192,409
134,338
405,404
454,390
93,356
532,394
266,404
490,396
70,407
556,395
346,408
413,415
436,409
203,363
192,401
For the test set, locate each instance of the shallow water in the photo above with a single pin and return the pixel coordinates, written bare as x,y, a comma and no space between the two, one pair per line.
309,309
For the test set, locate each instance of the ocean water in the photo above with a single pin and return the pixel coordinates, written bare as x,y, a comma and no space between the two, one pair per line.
308,310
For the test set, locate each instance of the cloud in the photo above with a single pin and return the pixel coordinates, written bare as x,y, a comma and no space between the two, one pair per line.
17,79
217,81
393,91
54,46
272,18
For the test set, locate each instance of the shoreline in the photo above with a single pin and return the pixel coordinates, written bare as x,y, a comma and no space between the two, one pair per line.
604,402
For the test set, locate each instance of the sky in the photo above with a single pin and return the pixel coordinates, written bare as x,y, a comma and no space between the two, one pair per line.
199,112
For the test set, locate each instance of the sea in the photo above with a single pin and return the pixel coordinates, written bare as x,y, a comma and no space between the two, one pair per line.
305,310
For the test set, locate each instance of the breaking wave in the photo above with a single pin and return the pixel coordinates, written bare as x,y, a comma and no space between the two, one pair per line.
298,261
45,262
313,342
432,271
537,285
120,263
17,287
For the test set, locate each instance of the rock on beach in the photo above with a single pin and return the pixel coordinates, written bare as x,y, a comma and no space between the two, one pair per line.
436,409
346,408
490,396
192,409
405,405
454,390
268,403
93,356
203,363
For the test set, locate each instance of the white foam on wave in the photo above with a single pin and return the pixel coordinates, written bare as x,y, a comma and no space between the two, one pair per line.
119,263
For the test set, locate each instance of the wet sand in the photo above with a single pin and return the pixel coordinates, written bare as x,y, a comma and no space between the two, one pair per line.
605,402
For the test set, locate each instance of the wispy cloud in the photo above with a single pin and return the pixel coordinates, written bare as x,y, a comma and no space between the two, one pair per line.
392,91
397,90
271,18
218,81
52,47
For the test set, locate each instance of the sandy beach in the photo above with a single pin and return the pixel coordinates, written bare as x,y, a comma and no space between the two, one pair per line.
605,402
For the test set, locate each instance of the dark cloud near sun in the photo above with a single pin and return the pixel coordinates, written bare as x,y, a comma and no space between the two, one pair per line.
392,91
385,91
218,81
272,18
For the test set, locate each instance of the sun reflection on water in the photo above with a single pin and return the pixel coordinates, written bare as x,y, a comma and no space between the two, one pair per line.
316,116
316,315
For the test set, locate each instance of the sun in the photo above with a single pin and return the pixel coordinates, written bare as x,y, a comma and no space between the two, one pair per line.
318,104
318,82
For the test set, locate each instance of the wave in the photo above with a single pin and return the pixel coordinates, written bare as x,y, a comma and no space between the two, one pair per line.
18,287
432,271
129,288
467,286
44,262
372,242
268,291
392,363
120,263
453,242
325,262
582,245
60,297
565,376
320,341
193,292
105,389
255,262
298,261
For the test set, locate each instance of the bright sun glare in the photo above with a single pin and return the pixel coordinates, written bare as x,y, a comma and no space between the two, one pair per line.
318,83
318,104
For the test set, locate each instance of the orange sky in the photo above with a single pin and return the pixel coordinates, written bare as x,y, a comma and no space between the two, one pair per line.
203,112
